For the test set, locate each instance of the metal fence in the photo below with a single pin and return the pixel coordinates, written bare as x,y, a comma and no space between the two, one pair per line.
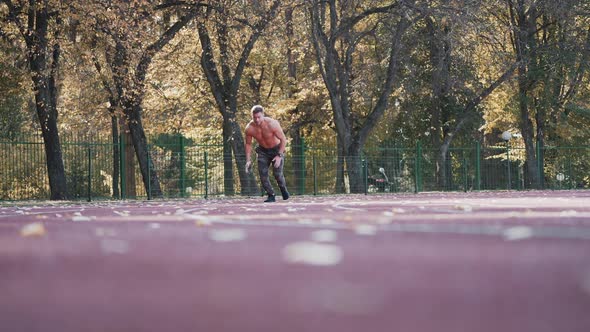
195,168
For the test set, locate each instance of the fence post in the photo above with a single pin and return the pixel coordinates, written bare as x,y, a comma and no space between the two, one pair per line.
302,164
182,167
206,175
465,169
149,179
477,165
417,175
315,177
122,166
540,164
571,175
365,171
519,184
508,165
89,172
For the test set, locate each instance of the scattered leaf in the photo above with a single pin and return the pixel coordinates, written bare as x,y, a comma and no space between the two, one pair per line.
227,235
311,253
365,229
517,233
324,235
568,213
463,207
35,229
114,246
202,222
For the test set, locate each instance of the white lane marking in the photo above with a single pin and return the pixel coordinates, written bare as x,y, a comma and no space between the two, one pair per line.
40,212
339,206
548,232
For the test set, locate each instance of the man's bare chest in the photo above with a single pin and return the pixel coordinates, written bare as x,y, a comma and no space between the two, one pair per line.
264,136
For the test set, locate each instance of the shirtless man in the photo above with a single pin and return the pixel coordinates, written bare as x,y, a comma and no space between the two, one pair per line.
271,150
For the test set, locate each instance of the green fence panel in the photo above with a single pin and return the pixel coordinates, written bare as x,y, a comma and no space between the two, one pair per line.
189,167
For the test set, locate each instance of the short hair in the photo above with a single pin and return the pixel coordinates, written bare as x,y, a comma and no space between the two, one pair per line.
257,109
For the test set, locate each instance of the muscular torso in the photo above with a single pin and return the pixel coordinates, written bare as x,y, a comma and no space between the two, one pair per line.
265,134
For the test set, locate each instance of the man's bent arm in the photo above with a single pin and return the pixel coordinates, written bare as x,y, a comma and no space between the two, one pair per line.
281,136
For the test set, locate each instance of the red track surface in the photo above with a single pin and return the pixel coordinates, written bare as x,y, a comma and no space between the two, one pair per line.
488,261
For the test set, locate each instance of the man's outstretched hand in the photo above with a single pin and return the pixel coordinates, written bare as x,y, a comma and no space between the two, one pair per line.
248,164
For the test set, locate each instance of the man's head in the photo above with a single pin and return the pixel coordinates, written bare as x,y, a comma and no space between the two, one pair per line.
257,114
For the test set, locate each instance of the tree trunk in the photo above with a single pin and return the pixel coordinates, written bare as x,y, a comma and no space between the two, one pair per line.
47,115
228,170
296,137
130,91
468,110
355,170
247,180
337,72
526,129
540,119
524,43
146,166
116,153
43,77
128,162
340,188
445,171
440,59
224,88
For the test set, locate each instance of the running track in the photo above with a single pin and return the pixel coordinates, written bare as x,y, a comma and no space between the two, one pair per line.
485,261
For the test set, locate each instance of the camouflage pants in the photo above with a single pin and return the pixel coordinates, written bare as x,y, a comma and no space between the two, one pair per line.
265,157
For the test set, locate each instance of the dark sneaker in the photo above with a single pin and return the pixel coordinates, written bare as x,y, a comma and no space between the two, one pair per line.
270,199
285,195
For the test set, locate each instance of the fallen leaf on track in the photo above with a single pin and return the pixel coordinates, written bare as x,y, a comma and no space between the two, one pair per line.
227,235
384,221
202,222
365,229
312,253
466,208
113,246
324,235
568,213
517,233
104,232
122,214
33,229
